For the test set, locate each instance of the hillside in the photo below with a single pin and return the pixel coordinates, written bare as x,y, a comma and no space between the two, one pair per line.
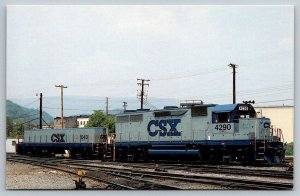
17,112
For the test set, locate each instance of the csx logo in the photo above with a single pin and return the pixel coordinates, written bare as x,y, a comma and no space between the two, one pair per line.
162,125
57,137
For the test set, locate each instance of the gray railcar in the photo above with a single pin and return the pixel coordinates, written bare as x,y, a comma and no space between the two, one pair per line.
77,142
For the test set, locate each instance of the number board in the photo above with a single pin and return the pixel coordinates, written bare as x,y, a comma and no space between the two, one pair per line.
84,138
243,108
223,127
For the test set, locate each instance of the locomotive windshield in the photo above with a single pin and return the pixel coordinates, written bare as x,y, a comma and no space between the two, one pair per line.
223,117
232,113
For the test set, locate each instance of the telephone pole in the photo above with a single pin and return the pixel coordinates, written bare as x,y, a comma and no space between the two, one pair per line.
62,103
41,112
106,106
124,105
233,66
142,93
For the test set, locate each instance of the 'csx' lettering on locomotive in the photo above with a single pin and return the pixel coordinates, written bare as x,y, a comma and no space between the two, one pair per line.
57,137
162,125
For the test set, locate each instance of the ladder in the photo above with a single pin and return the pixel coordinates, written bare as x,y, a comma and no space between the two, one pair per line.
259,147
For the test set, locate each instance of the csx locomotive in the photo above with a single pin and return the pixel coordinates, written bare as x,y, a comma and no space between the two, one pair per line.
200,132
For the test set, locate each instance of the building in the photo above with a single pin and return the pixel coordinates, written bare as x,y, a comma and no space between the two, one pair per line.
82,120
69,122
281,117
11,145
72,121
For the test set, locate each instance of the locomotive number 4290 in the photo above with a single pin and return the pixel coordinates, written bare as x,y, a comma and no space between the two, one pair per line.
223,127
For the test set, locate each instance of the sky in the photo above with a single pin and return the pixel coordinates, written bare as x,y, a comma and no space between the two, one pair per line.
183,50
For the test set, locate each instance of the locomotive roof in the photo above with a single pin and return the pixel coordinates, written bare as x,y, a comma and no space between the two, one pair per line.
165,109
227,107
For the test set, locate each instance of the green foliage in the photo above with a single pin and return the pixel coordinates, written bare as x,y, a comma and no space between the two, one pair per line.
99,119
110,123
9,126
289,149
18,130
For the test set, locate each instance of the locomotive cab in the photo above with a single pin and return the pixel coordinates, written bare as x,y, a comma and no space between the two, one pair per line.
239,123
226,119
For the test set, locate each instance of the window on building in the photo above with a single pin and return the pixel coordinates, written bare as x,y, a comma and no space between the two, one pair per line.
13,143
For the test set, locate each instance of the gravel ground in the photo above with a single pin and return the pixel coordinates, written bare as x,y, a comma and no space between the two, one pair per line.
22,176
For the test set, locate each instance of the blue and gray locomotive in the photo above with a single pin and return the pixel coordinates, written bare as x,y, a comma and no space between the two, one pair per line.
204,132
198,132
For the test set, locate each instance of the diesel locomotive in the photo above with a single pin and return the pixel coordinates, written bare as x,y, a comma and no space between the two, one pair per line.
194,132
204,132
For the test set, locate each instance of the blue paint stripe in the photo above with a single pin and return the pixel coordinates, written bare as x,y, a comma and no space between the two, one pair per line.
200,142
67,145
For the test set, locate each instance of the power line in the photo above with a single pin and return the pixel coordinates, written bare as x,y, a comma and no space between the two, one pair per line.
68,109
22,115
25,122
189,75
30,103
46,123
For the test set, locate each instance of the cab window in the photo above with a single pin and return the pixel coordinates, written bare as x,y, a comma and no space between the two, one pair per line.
222,117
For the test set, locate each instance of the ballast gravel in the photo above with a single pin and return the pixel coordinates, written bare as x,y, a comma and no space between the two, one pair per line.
27,177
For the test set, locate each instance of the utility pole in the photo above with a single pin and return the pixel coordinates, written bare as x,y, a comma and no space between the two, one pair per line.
233,66
62,103
106,106
41,112
124,105
142,93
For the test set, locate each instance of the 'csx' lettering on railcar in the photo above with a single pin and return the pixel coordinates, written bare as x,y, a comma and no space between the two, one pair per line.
57,137
162,125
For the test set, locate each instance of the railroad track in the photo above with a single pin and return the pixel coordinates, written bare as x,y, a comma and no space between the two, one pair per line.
232,171
245,171
59,164
137,173
235,183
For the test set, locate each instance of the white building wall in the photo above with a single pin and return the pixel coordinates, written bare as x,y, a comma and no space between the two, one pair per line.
81,122
11,145
281,117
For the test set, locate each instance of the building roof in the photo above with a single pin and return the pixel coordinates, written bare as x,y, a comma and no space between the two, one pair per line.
281,106
75,116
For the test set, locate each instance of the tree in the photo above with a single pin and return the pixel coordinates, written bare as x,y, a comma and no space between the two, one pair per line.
110,123
9,126
99,119
289,149
18,130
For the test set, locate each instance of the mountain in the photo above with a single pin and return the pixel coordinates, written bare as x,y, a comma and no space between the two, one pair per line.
17,112
76,105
